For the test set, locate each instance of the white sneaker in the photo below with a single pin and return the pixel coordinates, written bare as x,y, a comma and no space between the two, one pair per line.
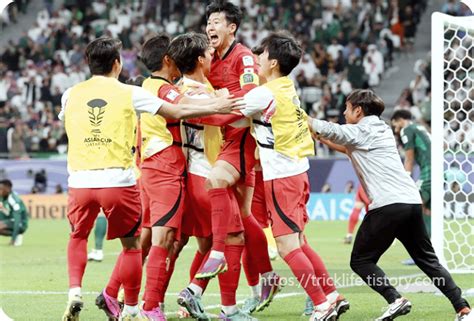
95,255
326,315
4,316
18,240
400,307
465,317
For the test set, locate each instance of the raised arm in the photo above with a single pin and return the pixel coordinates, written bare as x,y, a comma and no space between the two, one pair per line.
344,135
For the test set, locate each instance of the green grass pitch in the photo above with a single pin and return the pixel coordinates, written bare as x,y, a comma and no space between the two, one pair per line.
33,279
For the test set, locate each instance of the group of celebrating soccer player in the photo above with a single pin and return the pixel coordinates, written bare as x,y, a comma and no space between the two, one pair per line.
220,155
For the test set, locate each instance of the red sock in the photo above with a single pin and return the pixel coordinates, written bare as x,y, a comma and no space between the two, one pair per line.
76,261
114,284
155,276
169,274
353,219
256,245
229,281
131,275
221,209
250,268
202,283
301,267
324,279
197,261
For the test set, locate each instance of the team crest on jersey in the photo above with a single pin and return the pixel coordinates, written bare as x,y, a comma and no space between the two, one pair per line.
247,60
248,79
96,113
172,95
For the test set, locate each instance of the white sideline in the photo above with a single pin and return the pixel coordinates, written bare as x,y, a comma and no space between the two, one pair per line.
209,307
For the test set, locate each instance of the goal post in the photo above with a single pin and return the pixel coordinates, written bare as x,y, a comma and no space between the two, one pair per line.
452,78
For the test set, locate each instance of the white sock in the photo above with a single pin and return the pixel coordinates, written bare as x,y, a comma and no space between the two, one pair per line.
332,297
349,235
74,292
216,254
255,291
131,309
228,310
197,290
323,306
267,275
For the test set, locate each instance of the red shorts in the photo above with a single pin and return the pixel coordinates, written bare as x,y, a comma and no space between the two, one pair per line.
197,216
239,151
162,196
286,200
121,206
259,207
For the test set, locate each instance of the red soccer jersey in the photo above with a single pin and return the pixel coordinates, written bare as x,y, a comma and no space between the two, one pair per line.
236,71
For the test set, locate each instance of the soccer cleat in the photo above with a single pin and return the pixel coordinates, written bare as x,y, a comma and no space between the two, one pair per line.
324,315
465,314
212,268
109,305
73,308
250,305
348,239
18,240
270,286
308,307
95,255
341,305
401,306
237,316
192,303
154,315
136,317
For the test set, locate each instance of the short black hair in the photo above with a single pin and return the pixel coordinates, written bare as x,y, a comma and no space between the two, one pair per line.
136,81
371,104
401,114
233,13
185,50
101,54
154,50
283,47
6,182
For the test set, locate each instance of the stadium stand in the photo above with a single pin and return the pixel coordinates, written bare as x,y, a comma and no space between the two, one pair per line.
348,44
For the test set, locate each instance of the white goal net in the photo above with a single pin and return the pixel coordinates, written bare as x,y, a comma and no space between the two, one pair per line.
452,141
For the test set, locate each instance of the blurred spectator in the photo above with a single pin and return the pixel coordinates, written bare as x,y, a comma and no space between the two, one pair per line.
346,45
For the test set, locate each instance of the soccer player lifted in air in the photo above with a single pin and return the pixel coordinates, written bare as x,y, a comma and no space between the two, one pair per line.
192,54
233,67
284,143
100,121
395,210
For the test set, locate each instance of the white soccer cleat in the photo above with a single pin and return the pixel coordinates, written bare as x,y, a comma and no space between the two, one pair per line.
95,255
18,240
465,315
400,307
272,253
329,314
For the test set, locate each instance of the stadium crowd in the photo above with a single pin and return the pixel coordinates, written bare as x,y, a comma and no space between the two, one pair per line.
348,44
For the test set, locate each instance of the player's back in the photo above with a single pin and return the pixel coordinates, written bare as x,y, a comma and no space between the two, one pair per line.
417,137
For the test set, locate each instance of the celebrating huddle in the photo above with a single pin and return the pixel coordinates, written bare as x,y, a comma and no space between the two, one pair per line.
217,156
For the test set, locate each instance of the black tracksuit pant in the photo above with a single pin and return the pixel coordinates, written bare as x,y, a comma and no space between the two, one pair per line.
377,232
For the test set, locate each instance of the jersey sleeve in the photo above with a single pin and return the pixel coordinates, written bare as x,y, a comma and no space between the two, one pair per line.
169,93
64,99
257,100
144,102
247,68
407,136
